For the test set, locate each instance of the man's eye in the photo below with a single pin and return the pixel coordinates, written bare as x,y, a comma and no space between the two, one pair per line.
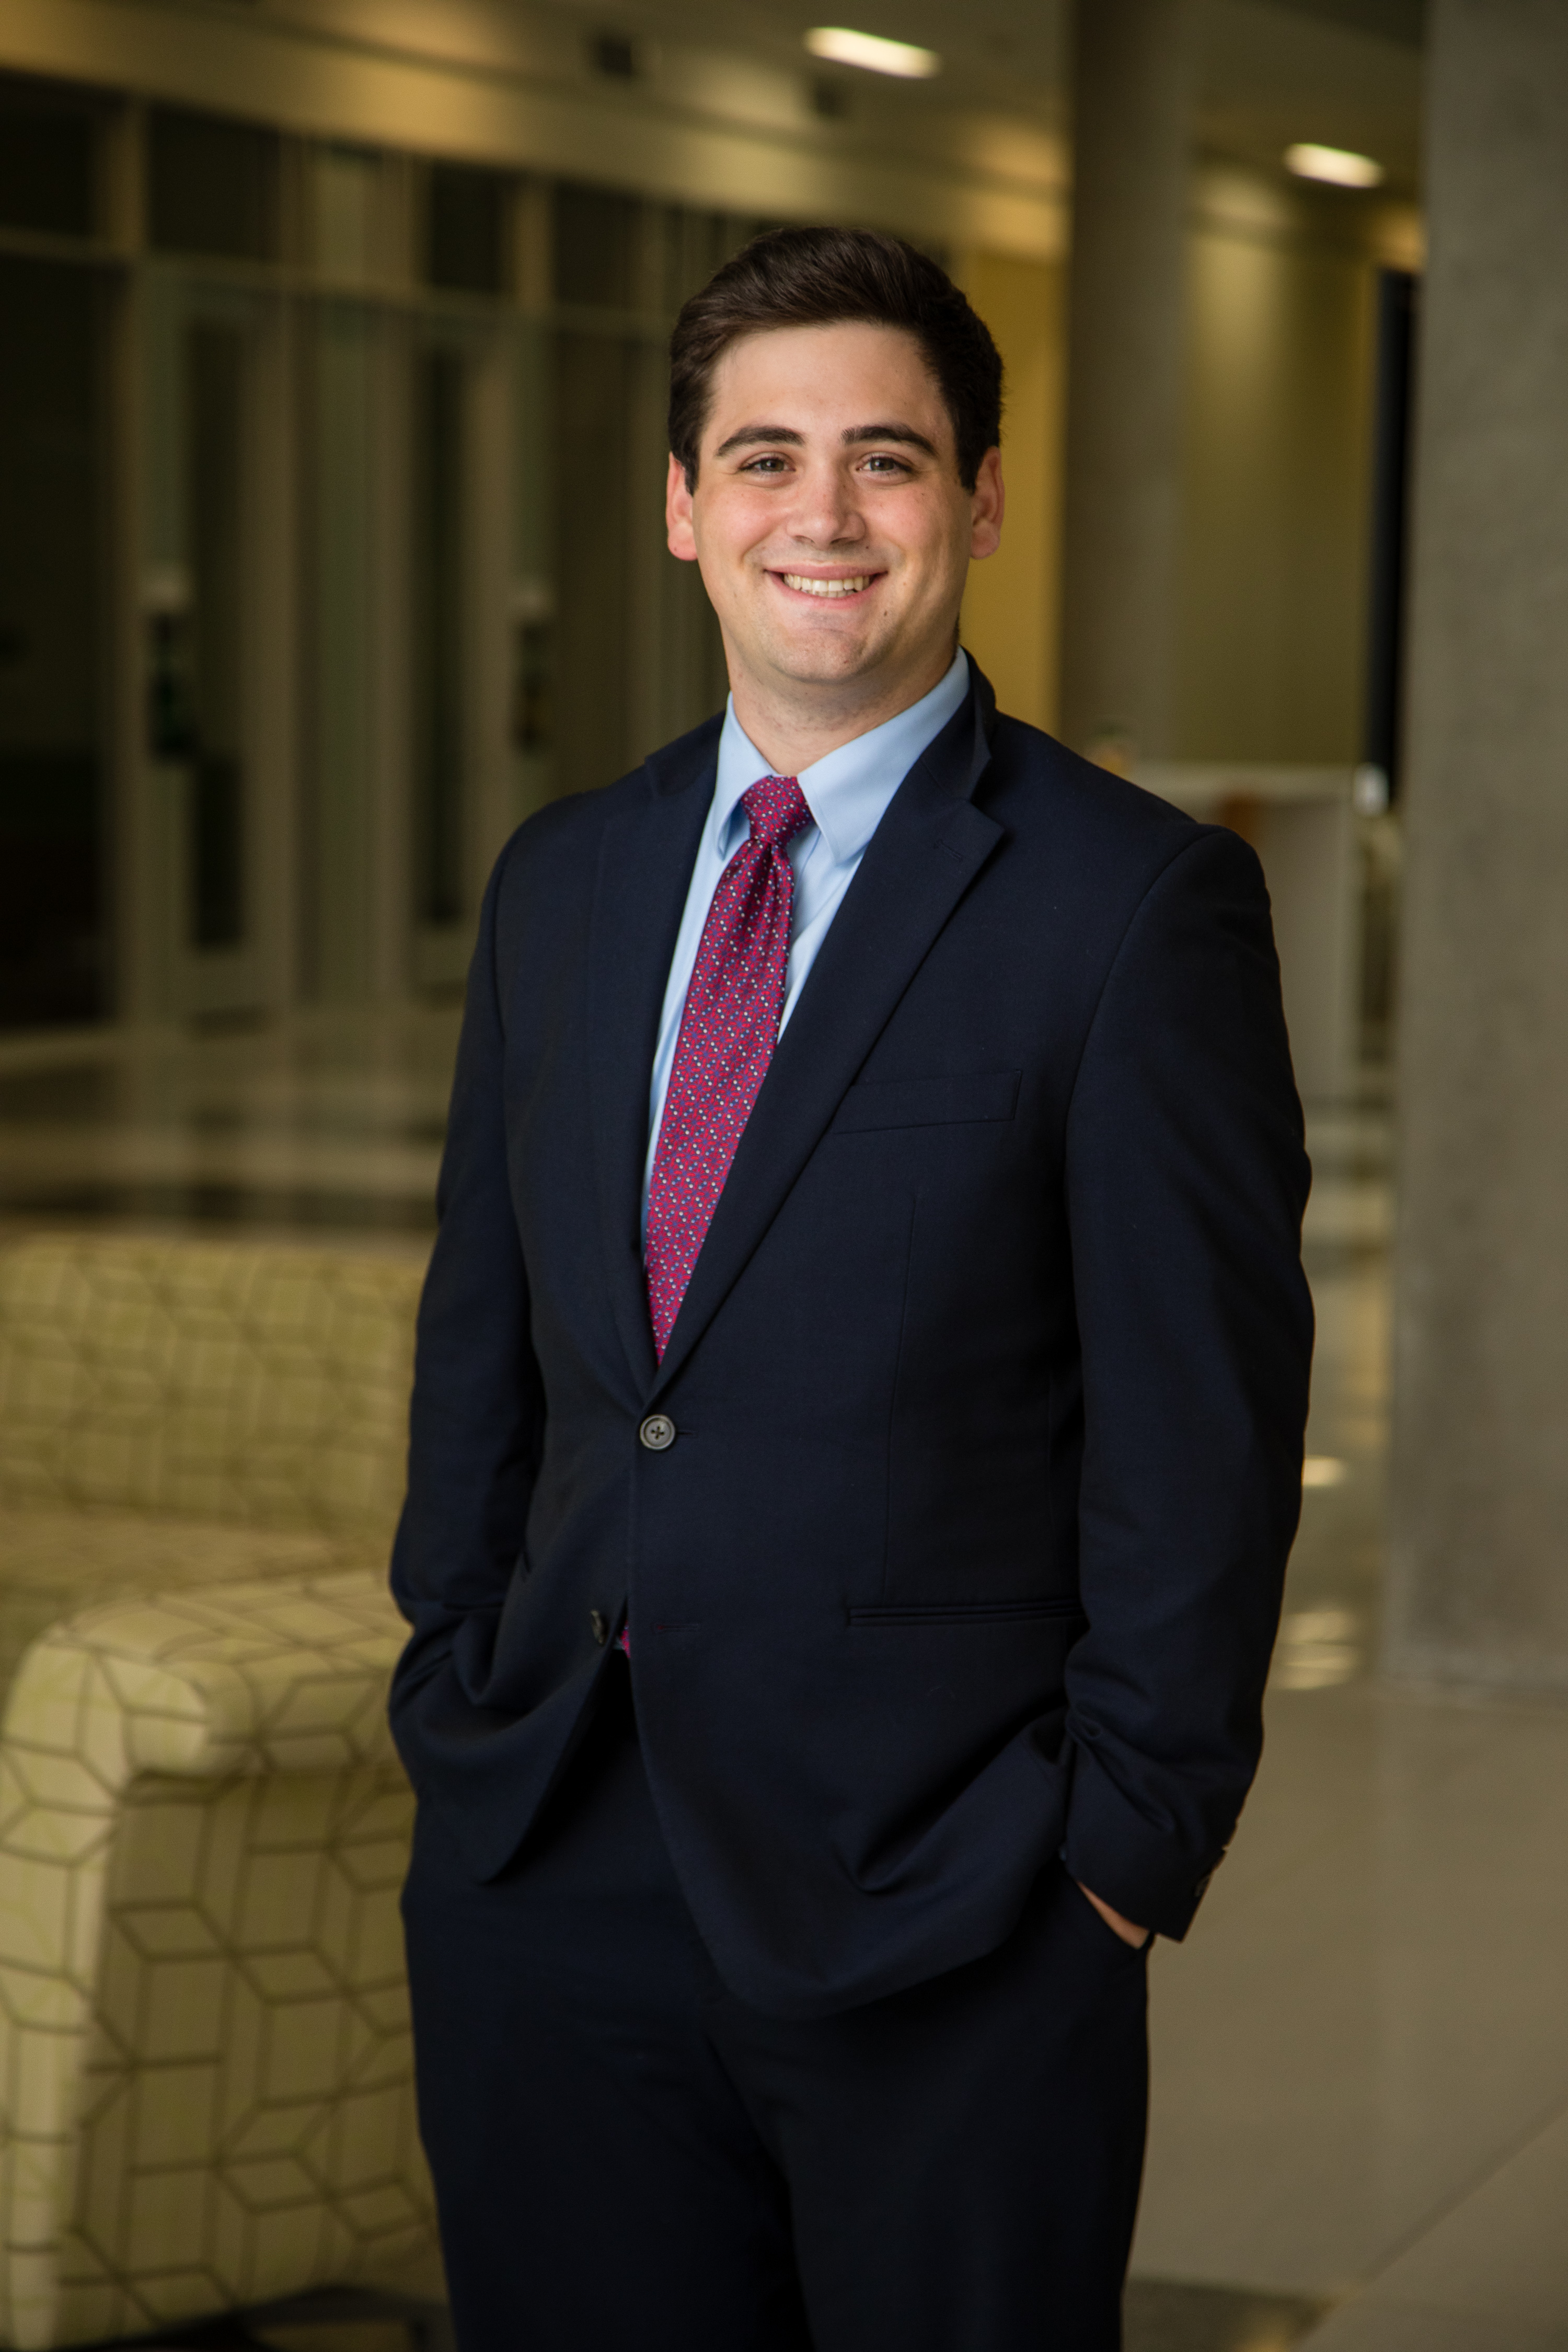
765,465
885,465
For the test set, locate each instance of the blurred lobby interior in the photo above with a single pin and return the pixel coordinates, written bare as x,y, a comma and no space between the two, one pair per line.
331,376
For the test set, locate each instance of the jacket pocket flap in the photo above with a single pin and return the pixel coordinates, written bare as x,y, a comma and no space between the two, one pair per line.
971,1095
965,1612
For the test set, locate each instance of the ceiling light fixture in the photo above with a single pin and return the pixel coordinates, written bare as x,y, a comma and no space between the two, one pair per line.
1337,165
842,47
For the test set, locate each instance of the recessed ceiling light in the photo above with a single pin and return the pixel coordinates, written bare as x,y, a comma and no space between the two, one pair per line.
844,48
1338,165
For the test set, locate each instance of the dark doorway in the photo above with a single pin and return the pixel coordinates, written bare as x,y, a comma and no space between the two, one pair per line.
1397,294
214,392
1378,783
53,942
440,578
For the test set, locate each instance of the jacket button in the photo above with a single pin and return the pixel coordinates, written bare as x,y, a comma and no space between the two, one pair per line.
601,1626
658,1432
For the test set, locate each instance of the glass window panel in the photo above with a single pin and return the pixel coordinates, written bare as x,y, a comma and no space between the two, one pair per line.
53,962
49,159
345,186
214,390
212,187
466,224
638,654
440,564
695,244
594,242
594,389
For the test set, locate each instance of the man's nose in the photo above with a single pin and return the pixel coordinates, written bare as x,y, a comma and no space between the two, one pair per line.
826,511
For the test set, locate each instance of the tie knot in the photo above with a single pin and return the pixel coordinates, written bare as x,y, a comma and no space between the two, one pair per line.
777,807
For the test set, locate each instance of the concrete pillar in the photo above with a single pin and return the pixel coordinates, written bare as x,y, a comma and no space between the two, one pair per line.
1481,1498
1133,92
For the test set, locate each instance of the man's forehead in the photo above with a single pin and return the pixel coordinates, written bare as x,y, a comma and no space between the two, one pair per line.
874,373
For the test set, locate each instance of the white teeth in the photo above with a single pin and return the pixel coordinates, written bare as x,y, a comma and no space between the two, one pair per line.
826,587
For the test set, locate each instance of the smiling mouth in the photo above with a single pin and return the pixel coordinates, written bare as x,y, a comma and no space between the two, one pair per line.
804,585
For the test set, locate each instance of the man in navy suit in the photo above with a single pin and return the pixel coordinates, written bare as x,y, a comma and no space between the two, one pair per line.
856,1430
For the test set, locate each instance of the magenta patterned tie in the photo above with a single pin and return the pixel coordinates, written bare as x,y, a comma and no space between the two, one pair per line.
728,1032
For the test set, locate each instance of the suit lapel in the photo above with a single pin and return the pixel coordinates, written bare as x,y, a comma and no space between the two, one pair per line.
921,860
645,866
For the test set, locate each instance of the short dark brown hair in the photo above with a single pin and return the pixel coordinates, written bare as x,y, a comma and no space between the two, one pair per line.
824,277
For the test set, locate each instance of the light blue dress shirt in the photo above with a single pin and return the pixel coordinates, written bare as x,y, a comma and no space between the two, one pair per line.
847,795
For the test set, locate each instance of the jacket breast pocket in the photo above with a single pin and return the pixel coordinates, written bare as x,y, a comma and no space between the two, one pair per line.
968,1098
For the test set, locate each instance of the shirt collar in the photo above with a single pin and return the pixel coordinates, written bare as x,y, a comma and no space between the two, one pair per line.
847,792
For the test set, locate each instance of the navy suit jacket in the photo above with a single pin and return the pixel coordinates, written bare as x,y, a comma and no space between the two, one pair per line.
988,1387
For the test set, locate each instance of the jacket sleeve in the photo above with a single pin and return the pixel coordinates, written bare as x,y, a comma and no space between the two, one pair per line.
1187,1179
477,1414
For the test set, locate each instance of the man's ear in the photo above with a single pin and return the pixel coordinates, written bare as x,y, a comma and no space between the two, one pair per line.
985,511
681,538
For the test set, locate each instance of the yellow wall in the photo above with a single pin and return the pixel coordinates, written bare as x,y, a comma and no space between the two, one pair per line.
1271,607
1010,613
1271,565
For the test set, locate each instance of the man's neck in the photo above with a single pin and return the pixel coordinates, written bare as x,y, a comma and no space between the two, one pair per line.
796,723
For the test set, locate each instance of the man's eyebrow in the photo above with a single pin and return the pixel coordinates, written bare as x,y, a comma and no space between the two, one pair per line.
854,434
751,432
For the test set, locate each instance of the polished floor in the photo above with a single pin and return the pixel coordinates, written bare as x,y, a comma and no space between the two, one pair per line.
1360,2134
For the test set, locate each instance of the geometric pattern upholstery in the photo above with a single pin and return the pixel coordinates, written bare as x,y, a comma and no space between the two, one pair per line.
53,1563
205,2076
209,1379
205,2063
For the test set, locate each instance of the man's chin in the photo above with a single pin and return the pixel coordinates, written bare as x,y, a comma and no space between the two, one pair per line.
827,662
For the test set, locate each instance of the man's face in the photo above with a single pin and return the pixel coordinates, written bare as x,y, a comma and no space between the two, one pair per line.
833,532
